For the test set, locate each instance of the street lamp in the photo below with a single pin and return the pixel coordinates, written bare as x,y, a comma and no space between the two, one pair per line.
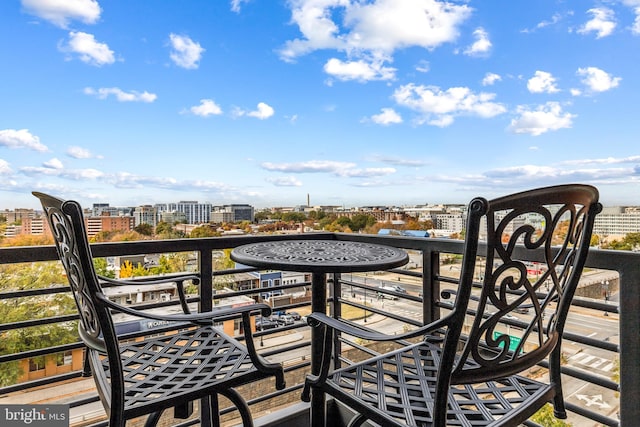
365,304
605,287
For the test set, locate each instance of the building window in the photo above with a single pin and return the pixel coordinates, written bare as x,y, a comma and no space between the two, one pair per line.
64,358
36,364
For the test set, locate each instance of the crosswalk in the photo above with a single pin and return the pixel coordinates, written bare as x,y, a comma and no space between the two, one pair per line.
586,360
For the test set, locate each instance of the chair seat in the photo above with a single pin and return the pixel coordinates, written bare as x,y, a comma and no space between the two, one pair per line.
407,390
191,364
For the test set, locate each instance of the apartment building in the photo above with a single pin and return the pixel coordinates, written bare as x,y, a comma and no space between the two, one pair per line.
17,215
194,212
145,214
232,213
96,224
35,226
617,221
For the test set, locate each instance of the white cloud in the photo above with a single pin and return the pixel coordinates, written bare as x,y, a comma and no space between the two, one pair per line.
122,96
490,78
439,107
60,12
53,164
206,108
342,169
543,119
81,153
604,161
236,5
386,117
542,82
264,111
185,52
72,174
398,161
603,22
5,168
598,80
482,44
88,49
285,181
526,176
360,70
365,173
372,30
423,66
635,28
554,20
21,139
312,166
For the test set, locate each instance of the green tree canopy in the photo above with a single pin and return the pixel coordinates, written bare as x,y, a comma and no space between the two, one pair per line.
144,229
294,217
205,230
361,221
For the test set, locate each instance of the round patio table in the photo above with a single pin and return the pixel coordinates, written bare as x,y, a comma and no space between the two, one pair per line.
319,257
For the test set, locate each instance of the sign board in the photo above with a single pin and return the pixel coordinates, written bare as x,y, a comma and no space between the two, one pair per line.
514,342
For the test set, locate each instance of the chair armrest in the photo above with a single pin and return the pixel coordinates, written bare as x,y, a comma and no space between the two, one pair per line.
205,318
317,319
178,279
150,280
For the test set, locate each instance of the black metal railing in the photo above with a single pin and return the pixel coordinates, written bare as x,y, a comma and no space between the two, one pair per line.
427,279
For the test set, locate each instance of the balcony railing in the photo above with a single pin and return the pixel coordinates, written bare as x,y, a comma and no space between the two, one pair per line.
594,396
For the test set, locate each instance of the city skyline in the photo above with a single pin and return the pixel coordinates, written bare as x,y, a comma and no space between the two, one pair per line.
350,103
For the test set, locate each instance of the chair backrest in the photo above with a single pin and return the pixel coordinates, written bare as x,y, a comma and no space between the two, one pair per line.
552,225
66,221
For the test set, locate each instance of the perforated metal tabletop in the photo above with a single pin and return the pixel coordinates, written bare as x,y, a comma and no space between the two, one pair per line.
320,256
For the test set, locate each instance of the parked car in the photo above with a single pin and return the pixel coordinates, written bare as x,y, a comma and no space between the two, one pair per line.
521,310
388,296
294,314
285,319
399,289
264,323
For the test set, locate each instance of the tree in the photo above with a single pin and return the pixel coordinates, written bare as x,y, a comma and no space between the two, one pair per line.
630,242
294,217
28,240
361,221
545,418
33,276
102,268
205,230
144,229
164,230
262,215
24,276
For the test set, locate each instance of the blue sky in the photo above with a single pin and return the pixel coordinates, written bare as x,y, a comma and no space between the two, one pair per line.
388,102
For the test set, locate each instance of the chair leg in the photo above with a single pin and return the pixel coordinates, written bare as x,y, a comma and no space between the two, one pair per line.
241,405
555,377
212,416
153,419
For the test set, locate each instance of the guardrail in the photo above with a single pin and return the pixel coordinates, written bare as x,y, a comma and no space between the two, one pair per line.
428,279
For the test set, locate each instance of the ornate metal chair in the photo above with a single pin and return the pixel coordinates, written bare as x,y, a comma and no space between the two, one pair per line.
140,377
467,368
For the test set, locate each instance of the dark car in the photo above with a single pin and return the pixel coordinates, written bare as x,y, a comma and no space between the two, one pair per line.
521,310
294,314
263,323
